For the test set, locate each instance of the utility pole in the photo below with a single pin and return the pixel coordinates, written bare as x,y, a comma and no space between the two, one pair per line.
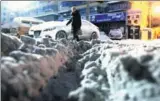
88,11
57,3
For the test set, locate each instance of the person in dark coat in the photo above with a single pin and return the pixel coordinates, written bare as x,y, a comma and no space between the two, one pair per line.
76,22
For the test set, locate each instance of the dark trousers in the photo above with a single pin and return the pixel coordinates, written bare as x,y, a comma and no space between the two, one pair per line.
75,33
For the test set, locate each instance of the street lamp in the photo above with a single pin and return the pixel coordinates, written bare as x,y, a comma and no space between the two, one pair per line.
156,9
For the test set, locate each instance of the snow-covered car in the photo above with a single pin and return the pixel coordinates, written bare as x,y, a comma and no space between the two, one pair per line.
116,34
58,29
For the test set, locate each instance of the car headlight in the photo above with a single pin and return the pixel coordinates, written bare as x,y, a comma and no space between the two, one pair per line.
50,29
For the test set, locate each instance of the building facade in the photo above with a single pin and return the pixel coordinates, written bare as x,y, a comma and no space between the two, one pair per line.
65,12
45,10
143,20
6,15
114,16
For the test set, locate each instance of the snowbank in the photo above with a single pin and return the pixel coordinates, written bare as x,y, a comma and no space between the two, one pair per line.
126,70
27,65
48,70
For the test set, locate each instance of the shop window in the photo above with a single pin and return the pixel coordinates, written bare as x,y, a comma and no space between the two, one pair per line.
5,30
129,21
128,17
136,21
155,25
137,16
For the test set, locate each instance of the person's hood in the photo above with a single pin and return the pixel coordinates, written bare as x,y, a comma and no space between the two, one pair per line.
75,12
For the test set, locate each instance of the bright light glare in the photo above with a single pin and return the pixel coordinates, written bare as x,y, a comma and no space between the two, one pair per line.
18,5
156,9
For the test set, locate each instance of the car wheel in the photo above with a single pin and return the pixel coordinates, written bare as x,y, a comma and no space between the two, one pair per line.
94,36
60,35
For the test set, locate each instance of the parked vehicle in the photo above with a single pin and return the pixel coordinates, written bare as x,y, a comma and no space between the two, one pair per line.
58,30
21,25
116,34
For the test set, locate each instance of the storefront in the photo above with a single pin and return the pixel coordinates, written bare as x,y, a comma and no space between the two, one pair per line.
115,17
109,21
143,23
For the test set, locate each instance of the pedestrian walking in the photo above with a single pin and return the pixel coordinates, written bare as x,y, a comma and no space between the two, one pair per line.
76,22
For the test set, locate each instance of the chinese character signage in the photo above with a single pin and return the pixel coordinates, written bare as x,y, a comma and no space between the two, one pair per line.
117,16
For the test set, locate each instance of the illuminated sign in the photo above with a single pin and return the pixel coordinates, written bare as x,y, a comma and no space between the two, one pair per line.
133,17
117,16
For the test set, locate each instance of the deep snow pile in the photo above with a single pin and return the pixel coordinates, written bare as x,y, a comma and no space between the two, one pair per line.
127,70
27,65
9,43
48,70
